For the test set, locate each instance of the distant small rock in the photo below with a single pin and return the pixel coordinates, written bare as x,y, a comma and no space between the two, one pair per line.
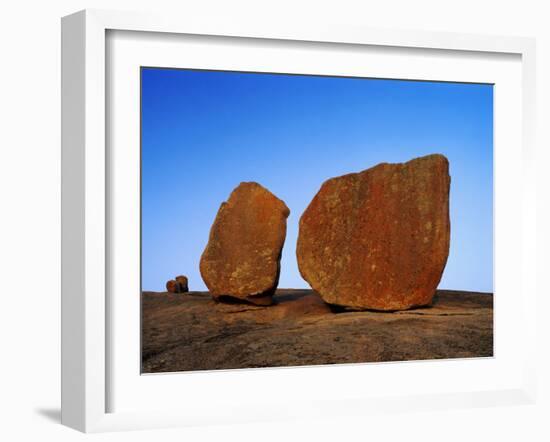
172,286
178,285
242,258
183,283
378,239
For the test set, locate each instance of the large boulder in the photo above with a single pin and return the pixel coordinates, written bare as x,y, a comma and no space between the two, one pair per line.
242,258
378,239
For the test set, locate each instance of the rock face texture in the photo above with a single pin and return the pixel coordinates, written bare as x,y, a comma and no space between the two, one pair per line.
378,239
242,258
178,285
193,332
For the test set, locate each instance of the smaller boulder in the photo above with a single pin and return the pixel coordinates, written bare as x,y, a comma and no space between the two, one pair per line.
242,258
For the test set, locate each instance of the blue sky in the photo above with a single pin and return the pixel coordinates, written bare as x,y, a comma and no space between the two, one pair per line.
203,132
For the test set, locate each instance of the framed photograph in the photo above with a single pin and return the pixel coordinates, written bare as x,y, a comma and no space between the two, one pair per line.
263,222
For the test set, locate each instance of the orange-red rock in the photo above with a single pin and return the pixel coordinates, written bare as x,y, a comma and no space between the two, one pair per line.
242,257
378,239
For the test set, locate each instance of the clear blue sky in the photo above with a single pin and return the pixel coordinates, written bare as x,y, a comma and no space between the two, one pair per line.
205,132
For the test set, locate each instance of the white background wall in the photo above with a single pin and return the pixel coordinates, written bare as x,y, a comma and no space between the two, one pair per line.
30,215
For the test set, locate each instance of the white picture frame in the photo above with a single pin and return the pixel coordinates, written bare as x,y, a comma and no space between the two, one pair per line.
86,352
